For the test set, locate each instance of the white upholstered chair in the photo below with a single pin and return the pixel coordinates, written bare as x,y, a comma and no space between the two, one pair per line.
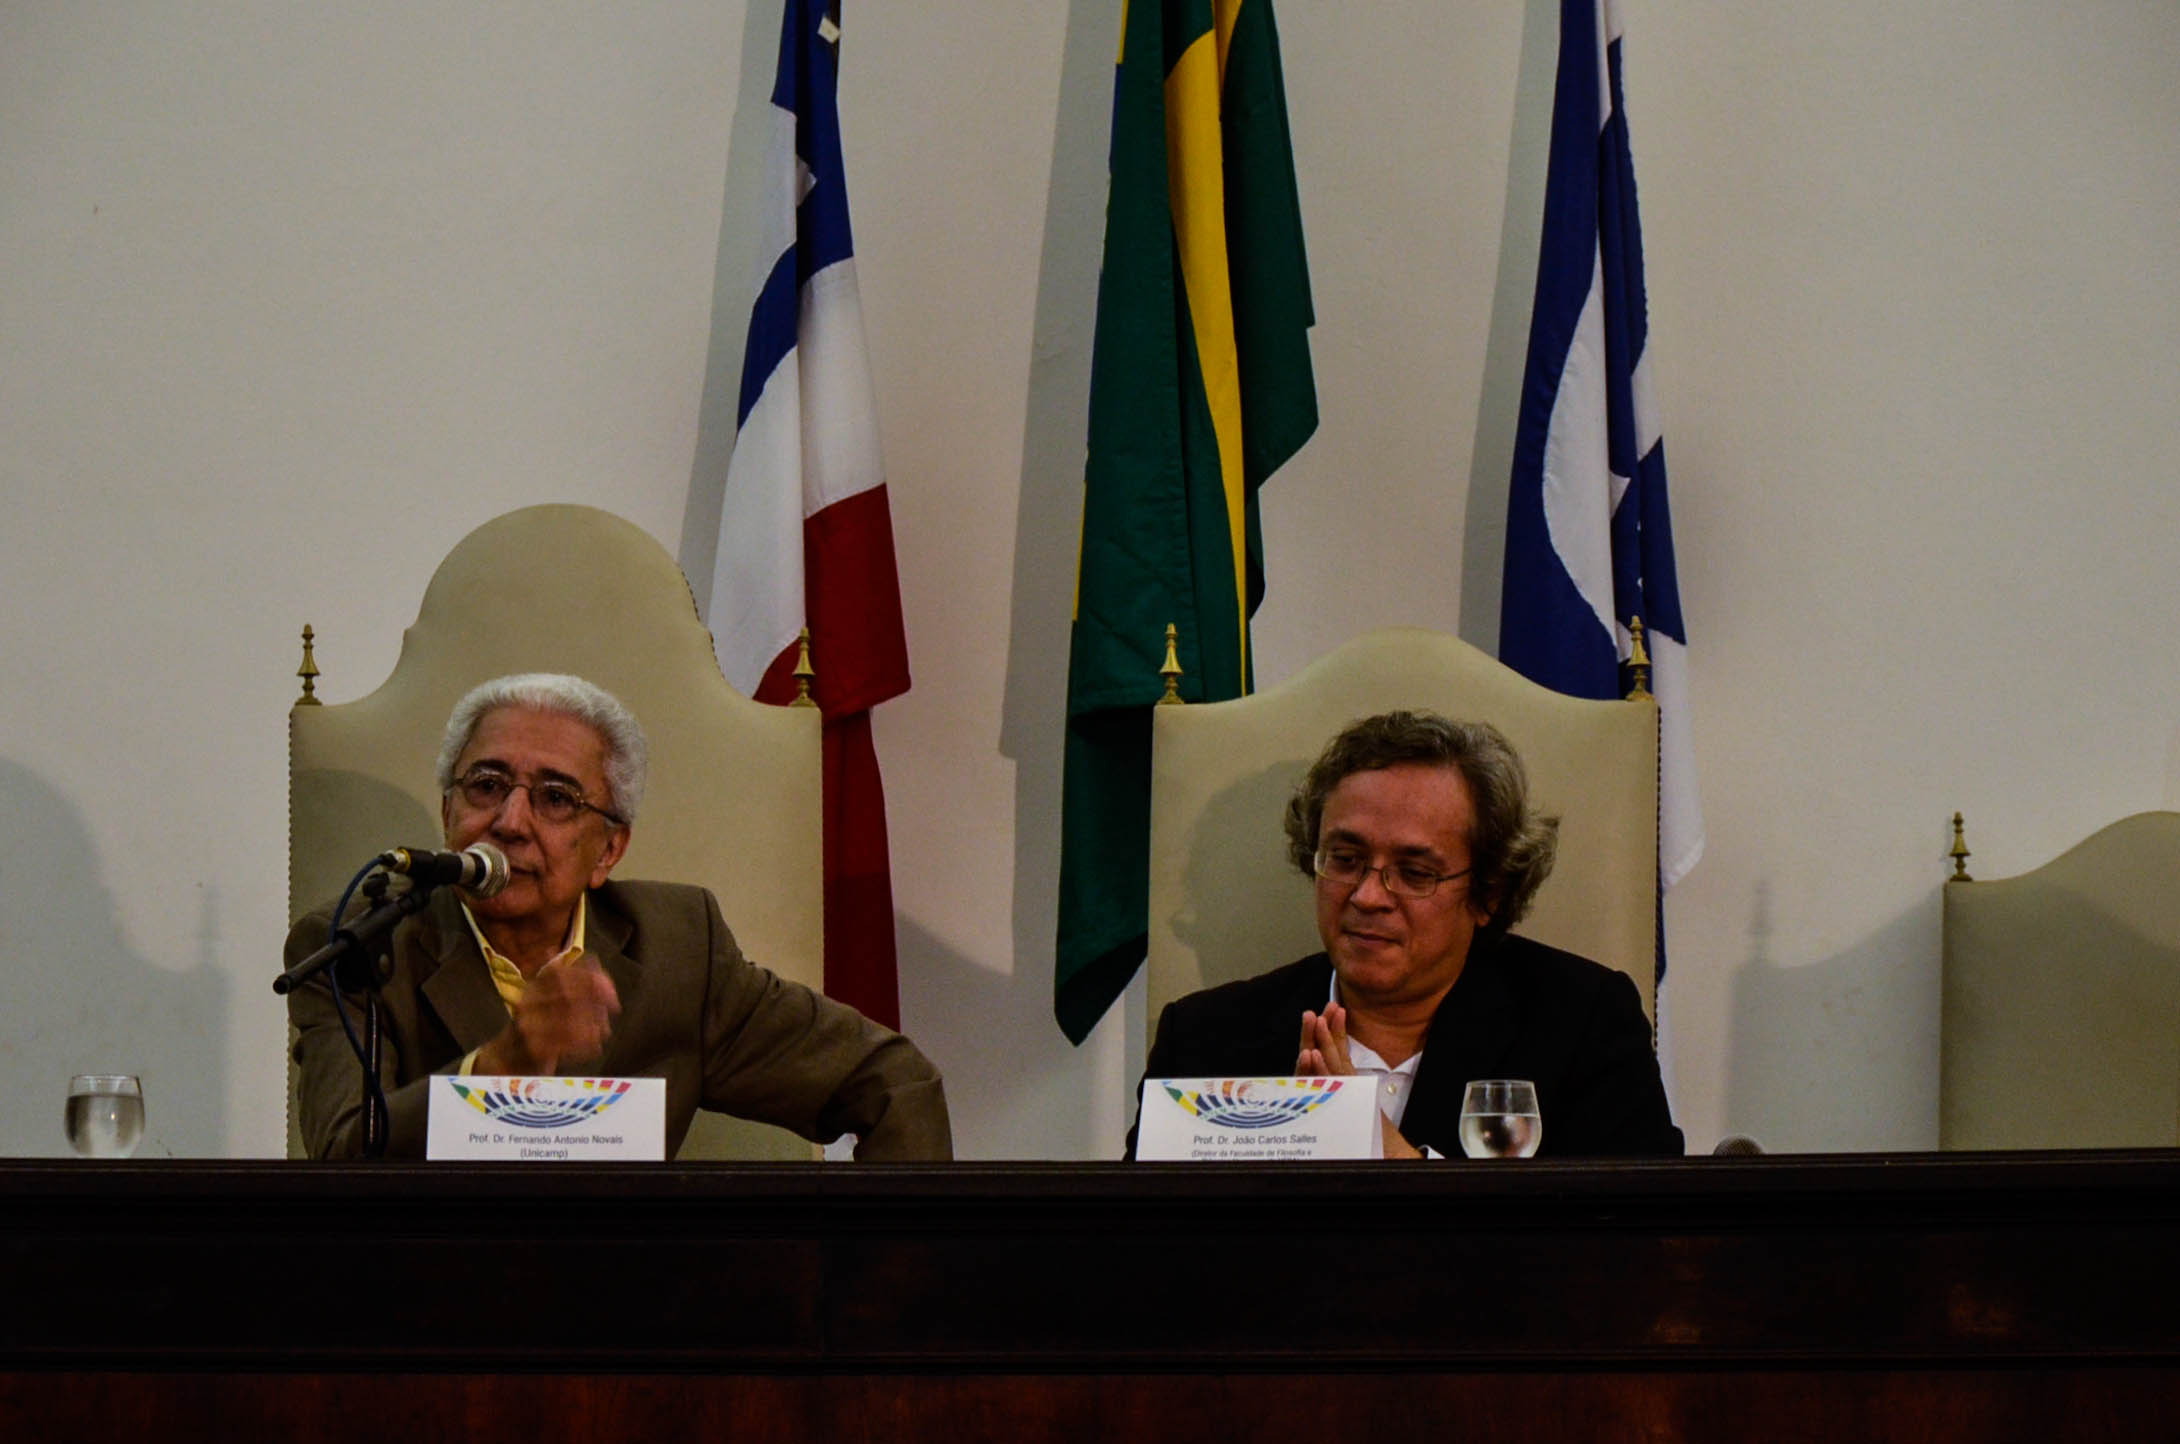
733,802
2060,1023
1224,901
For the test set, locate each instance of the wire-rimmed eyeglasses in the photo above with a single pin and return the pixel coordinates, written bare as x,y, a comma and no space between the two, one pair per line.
487,789
1347,868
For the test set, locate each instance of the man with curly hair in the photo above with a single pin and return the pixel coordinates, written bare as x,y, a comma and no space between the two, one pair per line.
1418,836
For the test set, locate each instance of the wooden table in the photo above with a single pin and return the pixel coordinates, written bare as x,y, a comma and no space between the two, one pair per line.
2030,1296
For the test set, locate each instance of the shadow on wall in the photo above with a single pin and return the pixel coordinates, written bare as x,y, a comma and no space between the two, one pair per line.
1506,349
75,999
1048,518
1007,1098
1022,1040
1224,914
1838,1055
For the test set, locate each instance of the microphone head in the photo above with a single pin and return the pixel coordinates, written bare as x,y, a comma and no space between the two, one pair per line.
1737,1145
494,865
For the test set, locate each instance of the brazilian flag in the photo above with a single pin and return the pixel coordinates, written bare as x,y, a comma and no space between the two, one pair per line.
1200,388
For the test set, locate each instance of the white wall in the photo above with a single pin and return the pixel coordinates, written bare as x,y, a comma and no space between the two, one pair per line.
293,296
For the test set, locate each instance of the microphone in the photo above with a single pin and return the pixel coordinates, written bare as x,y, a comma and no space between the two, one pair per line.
1737,1145
479,869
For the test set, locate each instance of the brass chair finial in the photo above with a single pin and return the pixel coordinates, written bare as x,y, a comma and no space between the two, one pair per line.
805,674
1638,660
1171,670
308,672
1959,853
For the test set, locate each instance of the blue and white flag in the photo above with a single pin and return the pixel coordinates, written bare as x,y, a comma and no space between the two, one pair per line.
805,527
1589,539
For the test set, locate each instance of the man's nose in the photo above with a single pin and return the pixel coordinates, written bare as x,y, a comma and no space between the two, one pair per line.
1371,891
513,817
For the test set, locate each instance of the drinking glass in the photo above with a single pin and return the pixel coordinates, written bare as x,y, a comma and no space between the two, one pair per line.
1499,1119
105,1116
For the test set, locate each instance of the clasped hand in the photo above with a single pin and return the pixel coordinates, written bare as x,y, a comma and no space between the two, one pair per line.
1323,1054
563,1017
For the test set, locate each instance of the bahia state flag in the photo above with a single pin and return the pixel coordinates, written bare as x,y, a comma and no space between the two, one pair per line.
805,536
1200,388
1589,538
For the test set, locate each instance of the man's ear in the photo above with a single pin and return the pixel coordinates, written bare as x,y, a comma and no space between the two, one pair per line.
616,845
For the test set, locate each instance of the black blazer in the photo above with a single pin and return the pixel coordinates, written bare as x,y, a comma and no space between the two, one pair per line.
1519,1010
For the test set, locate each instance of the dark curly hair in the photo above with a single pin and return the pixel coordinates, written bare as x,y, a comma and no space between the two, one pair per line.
1510,848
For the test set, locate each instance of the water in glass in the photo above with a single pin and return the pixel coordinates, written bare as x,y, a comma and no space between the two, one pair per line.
1499,1119
1500,1135
105,1117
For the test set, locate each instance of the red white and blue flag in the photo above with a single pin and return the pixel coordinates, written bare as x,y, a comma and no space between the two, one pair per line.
805,535
1589,537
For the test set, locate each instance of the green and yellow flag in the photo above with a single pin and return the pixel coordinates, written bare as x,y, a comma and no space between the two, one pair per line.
1200,388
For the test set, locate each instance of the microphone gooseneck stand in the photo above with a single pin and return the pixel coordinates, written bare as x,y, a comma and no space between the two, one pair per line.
359,965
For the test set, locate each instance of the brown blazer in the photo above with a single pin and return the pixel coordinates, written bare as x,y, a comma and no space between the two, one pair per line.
724,1033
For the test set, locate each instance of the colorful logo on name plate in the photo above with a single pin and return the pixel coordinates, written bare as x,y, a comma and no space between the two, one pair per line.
543,1102
1255,1102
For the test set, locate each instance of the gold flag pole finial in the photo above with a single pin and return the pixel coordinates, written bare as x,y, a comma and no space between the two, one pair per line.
805,674
1959,853
308,672
1638,660
1171,670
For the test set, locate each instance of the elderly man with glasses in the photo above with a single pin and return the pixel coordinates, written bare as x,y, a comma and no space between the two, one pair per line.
1417,834
565,970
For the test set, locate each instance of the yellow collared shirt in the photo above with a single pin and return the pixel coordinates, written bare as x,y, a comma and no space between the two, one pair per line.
506,977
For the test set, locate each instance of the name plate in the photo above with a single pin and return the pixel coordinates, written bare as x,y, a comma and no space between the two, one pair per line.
557,1120
1258,1120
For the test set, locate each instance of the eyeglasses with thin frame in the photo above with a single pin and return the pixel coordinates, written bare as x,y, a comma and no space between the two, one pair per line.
1346,867
487,789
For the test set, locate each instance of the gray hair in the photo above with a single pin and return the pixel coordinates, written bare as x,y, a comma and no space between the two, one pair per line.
628,753
1510,848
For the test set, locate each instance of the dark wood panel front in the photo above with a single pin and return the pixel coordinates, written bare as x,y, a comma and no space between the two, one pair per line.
2034,1405
1819,1297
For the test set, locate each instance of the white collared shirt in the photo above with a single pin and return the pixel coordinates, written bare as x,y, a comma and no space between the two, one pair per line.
1395,1084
